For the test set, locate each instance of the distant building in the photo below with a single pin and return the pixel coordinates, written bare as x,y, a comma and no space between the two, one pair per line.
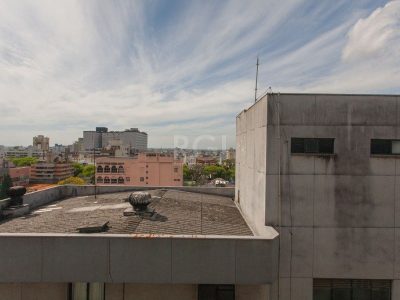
132,138
41,143
23,152
19,175
206,160
145,169
44,172
230,153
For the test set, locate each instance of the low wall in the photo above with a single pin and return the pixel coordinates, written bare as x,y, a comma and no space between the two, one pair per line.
42,197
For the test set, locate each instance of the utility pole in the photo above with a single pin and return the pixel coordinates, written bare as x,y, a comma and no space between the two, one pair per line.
255,92
94,162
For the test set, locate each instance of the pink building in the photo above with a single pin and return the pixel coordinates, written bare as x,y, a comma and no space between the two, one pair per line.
19,175
146,169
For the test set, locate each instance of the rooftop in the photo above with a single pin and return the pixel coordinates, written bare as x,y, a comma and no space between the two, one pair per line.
178,213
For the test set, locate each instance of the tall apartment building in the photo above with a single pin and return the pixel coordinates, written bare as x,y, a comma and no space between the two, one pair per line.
45,172
146,169
41,143
101,137
323,170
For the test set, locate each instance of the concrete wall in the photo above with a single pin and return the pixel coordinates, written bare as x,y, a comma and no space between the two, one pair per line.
42,197
121,291
137,259
33,291
339,214
251,129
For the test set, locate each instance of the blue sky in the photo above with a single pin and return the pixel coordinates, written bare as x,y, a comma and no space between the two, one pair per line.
181,68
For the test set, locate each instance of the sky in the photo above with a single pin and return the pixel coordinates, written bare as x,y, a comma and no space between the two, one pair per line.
181,70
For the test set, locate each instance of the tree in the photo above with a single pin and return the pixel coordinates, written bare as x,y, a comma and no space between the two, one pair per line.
5,186
78,168
72,180
24,161
187,174
88,173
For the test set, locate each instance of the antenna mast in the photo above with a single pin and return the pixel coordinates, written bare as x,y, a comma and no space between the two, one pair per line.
255,91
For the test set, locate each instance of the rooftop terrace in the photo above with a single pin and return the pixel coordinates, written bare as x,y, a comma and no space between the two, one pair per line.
178,213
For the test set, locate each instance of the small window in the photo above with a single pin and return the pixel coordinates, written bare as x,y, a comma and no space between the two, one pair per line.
114,180
120,169
99,169
142,179
216,292
312,145
385,147
107,169
114,169
128,179
176,170
100,179
106,180
351,289
121,180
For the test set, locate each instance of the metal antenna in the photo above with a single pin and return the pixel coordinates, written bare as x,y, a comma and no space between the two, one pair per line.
255,91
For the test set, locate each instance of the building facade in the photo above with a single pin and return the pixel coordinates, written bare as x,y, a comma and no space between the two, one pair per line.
41,143
323,170
20,175
45,172
146,169
133,138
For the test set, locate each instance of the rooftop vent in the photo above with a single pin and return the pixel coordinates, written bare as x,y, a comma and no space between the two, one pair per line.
16,193
140,202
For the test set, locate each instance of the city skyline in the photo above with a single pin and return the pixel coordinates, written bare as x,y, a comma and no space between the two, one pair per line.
178,67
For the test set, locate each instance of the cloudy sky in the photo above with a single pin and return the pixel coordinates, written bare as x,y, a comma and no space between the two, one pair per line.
183,68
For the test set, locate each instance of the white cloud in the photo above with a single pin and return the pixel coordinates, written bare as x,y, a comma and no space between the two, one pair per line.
376,35
67,66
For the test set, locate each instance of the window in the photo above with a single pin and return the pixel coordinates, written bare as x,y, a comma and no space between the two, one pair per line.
114,180
100,179
114,169
176,170
120,169
128,179
99,169
351,289
388,147
107,169
106,179
177,180
312,145
216,292
87,291
120,180
141,178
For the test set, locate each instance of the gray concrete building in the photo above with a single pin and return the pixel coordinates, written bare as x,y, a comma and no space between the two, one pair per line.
323,170
101,137
197,245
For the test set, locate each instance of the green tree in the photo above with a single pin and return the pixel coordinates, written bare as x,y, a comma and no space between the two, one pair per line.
78,168
187,174
5,186
88,173
24,161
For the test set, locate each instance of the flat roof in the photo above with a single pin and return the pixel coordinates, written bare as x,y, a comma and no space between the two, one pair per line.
178,213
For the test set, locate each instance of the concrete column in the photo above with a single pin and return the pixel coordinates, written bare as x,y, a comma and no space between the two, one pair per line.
395,289
254,292
114,291
10,291
292,289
